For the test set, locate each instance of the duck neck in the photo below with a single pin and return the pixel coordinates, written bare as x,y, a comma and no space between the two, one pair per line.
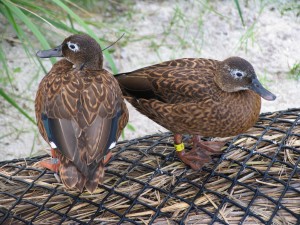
221,80
90,63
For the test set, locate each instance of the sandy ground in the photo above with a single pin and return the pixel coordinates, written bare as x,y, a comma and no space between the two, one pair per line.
159,31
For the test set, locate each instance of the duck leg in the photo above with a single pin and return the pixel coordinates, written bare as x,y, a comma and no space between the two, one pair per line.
210,147
200,153
107,157
53,163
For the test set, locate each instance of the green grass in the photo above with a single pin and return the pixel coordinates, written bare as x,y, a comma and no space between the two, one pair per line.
248,39
10,100
291,6
237,4
294,72
181,20
263,78
130,127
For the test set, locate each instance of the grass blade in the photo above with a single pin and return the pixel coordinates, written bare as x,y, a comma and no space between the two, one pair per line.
237,4
19,14
14,104
4,64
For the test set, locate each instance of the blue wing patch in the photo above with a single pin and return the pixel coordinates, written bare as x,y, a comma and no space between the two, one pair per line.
113,131
47,126
54,143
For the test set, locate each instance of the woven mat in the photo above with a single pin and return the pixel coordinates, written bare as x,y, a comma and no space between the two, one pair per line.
255,181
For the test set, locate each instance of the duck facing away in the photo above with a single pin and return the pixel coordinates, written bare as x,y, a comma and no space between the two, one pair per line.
201,97
80,112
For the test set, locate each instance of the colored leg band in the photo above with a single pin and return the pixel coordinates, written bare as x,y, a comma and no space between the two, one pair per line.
179,147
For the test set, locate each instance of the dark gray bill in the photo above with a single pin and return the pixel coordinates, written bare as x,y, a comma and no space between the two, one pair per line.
259,89
54,52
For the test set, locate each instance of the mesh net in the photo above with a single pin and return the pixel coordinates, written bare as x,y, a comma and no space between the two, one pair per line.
255,181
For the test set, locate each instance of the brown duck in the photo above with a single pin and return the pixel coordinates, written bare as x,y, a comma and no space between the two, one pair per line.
202,97
80,112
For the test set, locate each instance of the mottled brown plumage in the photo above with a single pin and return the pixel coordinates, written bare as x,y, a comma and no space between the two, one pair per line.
80,111
197,96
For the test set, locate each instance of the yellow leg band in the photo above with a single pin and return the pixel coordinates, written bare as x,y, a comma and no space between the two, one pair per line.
179,147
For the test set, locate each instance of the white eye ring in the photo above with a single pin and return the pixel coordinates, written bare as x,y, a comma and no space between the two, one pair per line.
72,46
237,74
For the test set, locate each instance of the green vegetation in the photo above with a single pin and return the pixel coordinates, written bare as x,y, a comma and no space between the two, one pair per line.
292,6
237,4
294,72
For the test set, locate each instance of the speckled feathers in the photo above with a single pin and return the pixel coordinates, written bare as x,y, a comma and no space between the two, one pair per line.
184,95
83,104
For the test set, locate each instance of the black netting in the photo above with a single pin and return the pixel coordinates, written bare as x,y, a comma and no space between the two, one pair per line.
255,181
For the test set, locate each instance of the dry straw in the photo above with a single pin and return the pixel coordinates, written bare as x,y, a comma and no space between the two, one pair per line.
255,181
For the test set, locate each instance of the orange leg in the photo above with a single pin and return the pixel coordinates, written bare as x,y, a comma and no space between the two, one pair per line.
107,157
53,163
200,153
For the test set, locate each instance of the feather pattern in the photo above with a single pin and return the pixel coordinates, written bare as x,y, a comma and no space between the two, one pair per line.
186,95
85,114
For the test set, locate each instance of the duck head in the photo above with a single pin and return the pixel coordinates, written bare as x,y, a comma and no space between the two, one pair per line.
236,74
80,49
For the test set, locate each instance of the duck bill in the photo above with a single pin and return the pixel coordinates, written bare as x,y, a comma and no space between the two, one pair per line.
54,52
259,89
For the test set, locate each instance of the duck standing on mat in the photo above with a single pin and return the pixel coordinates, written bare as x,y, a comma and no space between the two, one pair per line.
197,96
80,112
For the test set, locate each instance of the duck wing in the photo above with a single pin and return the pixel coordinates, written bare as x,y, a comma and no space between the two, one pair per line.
181,80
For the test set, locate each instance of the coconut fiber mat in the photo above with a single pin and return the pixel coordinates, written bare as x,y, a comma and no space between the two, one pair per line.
255,181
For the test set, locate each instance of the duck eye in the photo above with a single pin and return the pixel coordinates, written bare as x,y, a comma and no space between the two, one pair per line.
72,46
239,74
